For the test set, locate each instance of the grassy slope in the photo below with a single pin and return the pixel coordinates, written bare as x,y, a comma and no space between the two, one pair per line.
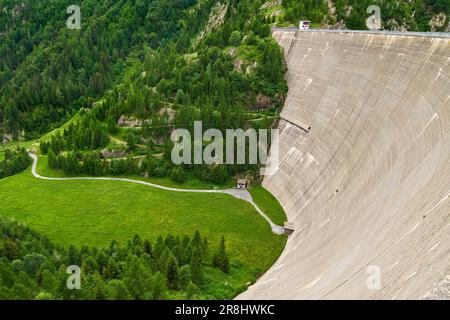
265,200
96,212
269,204
23,144
191,183
61,129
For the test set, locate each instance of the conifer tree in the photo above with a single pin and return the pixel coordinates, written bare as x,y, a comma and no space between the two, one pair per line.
220,259
196,268
172,272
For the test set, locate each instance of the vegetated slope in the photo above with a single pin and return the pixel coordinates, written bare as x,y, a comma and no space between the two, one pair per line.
94,213
368,187
172,267
417,15
229,74
223,74
47,70
13,162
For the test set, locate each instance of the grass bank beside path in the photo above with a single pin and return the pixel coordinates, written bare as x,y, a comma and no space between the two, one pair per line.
263,198
191,183
268,204
96,212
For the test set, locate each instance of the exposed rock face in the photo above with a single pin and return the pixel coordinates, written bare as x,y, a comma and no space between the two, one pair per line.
216,18
262,102
171,113
395,26
437,21
113,153
368,187
251,67
440,290
129,122
270,4
7,138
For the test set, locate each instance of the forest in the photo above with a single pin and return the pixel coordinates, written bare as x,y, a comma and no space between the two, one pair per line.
232,77
351,14
103,101
48,71
32,267
14,161
162,64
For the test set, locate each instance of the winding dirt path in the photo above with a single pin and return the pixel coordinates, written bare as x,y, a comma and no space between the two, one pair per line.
239,194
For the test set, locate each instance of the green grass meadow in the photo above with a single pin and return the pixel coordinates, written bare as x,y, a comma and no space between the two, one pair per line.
268,204
94,213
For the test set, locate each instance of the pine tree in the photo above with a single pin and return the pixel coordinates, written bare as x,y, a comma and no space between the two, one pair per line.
172,272
112,270
159,246
197,244
220,259
52,162
89,265
148,248
191,290
48,281
73,256
158,286
196,268
178,175
184,276
116,290
131,141
138,279
163,260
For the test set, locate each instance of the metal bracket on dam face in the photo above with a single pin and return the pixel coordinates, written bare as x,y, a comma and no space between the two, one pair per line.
300,126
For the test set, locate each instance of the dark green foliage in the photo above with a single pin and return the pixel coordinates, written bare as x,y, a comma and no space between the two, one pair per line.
314,10
235,38
196,268
184,276
177,174
439,5
179,81
47,70
413,15
87,134
14,162
131,141
31,267
220,259
191,290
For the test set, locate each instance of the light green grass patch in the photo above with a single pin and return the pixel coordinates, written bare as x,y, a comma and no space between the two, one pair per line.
191,183
19,144
268,204
97,212
61,129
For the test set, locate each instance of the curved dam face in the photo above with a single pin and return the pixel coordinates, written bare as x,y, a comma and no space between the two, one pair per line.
367,185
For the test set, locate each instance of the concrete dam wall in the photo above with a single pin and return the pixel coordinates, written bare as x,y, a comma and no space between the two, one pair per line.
365,168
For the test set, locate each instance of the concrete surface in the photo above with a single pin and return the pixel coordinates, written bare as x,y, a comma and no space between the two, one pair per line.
368,187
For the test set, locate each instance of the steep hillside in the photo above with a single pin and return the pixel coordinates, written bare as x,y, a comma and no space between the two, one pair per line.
416,15
47,70
229,74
